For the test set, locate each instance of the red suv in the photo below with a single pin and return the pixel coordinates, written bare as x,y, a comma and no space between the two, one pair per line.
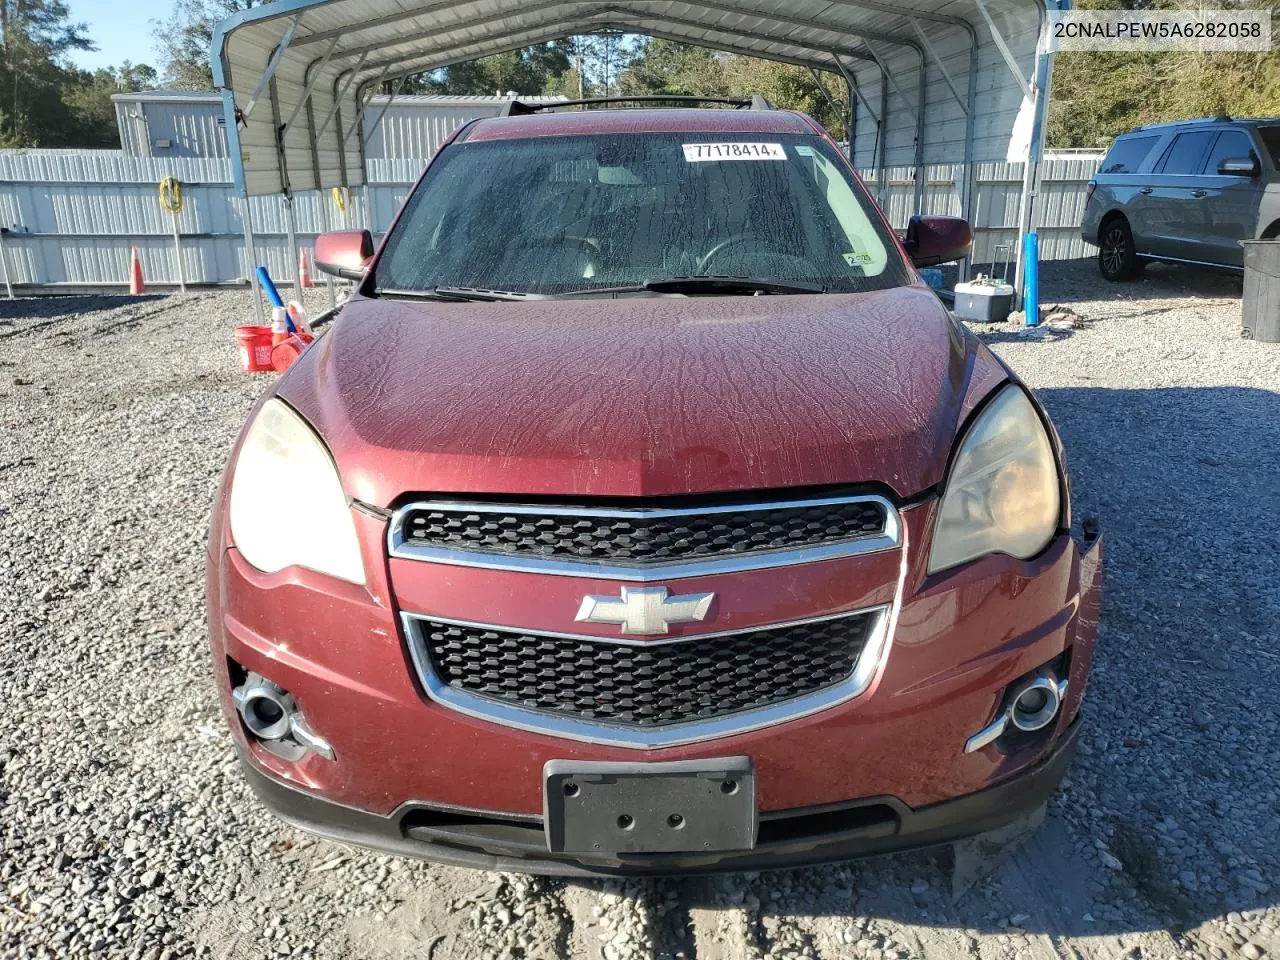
644,512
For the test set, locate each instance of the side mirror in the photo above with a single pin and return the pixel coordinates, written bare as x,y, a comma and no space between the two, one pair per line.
934,240
344,253
1240,167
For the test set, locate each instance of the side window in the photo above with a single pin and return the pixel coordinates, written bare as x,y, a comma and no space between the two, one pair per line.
1231,145
1127,155
1185,155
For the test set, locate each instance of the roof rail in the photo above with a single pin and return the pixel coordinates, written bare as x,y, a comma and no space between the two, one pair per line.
1220,118
518,108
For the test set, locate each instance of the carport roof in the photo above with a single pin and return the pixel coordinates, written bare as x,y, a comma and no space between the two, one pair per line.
296,75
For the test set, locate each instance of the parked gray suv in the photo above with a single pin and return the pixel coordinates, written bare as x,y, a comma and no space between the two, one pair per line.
1185,192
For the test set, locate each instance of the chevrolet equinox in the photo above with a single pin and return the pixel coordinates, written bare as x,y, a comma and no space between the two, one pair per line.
644,512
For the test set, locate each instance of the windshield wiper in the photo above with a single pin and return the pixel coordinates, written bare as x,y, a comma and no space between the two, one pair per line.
708,284
462,295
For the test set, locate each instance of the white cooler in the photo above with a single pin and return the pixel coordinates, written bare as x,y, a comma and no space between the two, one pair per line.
985,302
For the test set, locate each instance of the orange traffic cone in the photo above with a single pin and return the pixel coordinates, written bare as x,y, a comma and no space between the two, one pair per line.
304,270
137,286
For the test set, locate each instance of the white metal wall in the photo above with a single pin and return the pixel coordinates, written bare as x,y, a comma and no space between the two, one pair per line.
193,128
413,127
72,217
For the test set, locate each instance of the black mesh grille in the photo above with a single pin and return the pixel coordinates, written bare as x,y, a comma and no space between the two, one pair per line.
637,539
652,684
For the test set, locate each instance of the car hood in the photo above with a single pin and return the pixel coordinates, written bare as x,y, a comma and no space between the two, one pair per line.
640,397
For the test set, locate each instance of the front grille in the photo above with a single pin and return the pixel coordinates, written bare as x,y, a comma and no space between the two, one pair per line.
641,537
646,684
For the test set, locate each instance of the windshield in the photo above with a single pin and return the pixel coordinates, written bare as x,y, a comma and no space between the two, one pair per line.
556,215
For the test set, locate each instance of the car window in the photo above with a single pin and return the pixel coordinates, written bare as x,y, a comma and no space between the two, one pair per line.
556,215
1271,138
1126,156
1185,155
1230,145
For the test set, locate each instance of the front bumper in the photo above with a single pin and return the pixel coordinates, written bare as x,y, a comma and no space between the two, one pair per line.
883,771
788,838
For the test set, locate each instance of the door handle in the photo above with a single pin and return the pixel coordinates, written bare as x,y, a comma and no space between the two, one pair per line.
1199,194
1146,191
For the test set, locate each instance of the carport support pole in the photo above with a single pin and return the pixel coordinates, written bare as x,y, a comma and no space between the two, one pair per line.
177,253
328,278
881,185
249,259
4,263
291,227
1031,174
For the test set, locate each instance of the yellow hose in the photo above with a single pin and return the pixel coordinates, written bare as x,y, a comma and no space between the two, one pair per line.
341,197
171,195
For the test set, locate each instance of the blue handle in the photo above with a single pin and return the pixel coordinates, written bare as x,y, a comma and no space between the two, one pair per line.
1031,279
269,288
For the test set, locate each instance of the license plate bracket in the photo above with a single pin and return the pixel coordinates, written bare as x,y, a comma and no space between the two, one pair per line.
685,806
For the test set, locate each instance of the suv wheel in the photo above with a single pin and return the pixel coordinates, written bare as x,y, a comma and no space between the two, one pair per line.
1117,258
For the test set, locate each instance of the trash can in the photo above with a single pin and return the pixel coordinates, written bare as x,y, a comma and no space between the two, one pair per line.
1262,290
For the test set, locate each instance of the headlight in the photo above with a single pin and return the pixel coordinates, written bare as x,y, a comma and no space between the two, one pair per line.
1003,493
287,505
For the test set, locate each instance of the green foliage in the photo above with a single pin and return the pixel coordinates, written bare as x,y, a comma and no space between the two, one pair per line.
184,39
1099,95
679,68
526,71
44,101
88,101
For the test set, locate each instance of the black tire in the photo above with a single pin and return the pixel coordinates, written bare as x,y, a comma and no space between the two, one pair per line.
1117,259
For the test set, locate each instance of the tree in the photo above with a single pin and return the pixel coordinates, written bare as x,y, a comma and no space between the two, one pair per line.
586,66
527,71
88,100
37,35
1096,96
681,69
184,40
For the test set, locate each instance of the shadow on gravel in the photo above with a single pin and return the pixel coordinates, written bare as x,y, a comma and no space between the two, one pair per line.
1167,817
25,308
1073,281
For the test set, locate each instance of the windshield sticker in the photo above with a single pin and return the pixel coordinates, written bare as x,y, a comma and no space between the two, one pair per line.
857,259
804,151
701,152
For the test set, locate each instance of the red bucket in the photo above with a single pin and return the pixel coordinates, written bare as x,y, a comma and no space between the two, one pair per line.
286,351
254,346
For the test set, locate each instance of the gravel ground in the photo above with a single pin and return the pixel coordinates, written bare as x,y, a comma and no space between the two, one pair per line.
125,830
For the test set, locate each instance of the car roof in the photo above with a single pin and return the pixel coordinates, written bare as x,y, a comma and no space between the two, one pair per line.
677,120
1151,128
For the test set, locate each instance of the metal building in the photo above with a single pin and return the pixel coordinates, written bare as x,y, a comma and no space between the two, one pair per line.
161,123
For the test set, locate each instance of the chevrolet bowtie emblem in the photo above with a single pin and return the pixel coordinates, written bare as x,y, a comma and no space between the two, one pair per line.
647,611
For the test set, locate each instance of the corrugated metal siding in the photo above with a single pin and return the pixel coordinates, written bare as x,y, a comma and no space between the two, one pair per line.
413,127
190,125
376,36
75,215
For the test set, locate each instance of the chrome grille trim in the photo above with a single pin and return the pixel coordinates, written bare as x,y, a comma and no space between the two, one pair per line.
399,546
606,734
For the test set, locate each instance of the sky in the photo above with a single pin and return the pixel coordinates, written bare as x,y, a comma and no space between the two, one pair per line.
119,35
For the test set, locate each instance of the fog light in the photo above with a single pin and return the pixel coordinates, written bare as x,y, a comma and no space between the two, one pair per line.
265,708
1031,704
1035,706
270,713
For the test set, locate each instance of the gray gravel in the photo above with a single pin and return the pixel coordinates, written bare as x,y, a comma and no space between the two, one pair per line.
125,830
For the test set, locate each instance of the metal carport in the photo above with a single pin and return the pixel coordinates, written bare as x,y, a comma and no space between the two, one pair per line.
929,82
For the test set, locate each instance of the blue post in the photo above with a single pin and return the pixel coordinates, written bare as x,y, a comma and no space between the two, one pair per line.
1031,279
